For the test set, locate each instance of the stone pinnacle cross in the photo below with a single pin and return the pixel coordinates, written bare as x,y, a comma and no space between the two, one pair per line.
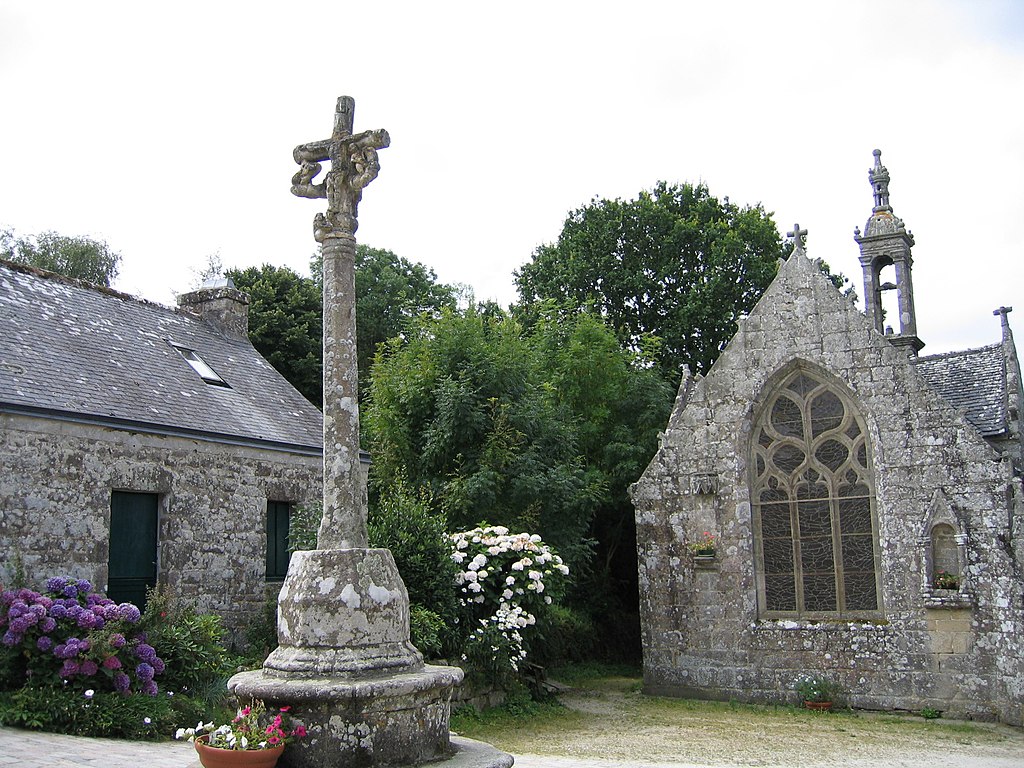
798,236
354,164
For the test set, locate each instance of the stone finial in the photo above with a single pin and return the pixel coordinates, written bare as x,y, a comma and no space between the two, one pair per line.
798,236
879,178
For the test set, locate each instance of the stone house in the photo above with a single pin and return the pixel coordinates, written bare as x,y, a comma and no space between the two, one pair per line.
864,502
141,444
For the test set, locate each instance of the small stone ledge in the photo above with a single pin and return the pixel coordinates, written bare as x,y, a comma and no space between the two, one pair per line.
949,599
820,625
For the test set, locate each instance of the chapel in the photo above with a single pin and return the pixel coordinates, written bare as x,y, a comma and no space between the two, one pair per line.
826,500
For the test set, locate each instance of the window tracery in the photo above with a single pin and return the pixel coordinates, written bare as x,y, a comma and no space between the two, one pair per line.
812,499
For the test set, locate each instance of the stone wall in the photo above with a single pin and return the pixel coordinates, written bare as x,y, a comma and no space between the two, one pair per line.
55,492
704,632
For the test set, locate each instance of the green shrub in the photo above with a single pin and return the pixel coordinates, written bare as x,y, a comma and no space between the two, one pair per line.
419,543
196,662
103,713
566,636
426,629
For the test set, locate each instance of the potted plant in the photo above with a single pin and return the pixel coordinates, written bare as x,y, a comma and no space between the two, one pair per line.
817,691
945,580
703,549
252,739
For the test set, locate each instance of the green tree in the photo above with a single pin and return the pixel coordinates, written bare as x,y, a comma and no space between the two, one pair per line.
676,267
286,324
460,410
79,257
391,292
619,404
540,429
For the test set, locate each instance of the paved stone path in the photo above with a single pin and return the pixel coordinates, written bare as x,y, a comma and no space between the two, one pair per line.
31,749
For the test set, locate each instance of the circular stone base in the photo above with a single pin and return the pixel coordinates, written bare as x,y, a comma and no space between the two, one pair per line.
474,754
373,720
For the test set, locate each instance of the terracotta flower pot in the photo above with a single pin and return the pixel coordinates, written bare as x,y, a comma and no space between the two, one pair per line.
818,706
214,757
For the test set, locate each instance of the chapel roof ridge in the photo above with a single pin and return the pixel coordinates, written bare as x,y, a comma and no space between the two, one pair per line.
961,352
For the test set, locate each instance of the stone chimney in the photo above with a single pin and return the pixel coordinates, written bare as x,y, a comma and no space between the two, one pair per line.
220,304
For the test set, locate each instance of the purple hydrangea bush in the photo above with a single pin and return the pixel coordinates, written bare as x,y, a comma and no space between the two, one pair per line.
71,634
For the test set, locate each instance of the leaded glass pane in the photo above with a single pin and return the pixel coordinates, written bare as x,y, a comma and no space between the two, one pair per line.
812,491
816,555
778,555
819,592
832,454
827,413
857,489
802,384
764,439
770,495
859,591
858,553
815,518
787,419
788,457
853,430
780,592
862,455
775,520
854,515
760,465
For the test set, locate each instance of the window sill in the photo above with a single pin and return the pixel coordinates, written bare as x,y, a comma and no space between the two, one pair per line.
947,598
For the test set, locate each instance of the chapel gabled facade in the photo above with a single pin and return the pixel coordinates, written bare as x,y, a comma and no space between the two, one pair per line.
865,504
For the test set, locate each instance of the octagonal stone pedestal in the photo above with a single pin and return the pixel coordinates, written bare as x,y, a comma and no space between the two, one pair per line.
346,668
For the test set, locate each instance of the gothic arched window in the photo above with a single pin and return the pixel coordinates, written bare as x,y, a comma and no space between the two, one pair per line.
812,497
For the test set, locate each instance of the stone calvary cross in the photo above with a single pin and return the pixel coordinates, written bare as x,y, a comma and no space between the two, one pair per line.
354,164
344,662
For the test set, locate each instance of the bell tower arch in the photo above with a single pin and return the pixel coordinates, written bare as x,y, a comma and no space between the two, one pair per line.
886,242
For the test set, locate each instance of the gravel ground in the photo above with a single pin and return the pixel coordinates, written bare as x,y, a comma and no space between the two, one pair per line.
612,721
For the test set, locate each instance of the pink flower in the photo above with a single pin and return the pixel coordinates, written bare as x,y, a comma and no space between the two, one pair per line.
300,731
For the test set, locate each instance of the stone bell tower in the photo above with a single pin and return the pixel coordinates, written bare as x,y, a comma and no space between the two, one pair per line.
886,242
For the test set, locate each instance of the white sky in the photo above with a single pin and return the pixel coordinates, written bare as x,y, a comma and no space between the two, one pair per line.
167,129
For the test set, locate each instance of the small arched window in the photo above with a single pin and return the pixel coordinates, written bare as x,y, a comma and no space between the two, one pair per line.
813,500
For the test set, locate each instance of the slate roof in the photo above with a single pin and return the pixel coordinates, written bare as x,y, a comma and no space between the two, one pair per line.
973,381
72,350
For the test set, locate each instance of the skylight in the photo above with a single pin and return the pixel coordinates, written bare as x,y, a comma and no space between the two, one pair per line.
200,366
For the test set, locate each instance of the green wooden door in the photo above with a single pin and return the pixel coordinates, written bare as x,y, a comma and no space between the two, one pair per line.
132,564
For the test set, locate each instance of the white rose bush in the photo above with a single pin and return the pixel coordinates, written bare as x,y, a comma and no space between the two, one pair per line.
505,583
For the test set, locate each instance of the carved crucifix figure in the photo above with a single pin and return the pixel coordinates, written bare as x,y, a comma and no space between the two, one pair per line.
354,164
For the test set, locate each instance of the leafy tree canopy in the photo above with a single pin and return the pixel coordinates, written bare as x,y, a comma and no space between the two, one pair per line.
286,324
286,311
79,257
540,430
671,271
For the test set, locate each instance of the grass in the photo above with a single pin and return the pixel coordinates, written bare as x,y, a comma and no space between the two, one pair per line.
605,715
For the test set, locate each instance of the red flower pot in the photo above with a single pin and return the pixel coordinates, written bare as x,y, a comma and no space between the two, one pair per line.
214,757
819,706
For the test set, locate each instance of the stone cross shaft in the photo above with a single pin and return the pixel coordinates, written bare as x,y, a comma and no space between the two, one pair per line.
354,164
